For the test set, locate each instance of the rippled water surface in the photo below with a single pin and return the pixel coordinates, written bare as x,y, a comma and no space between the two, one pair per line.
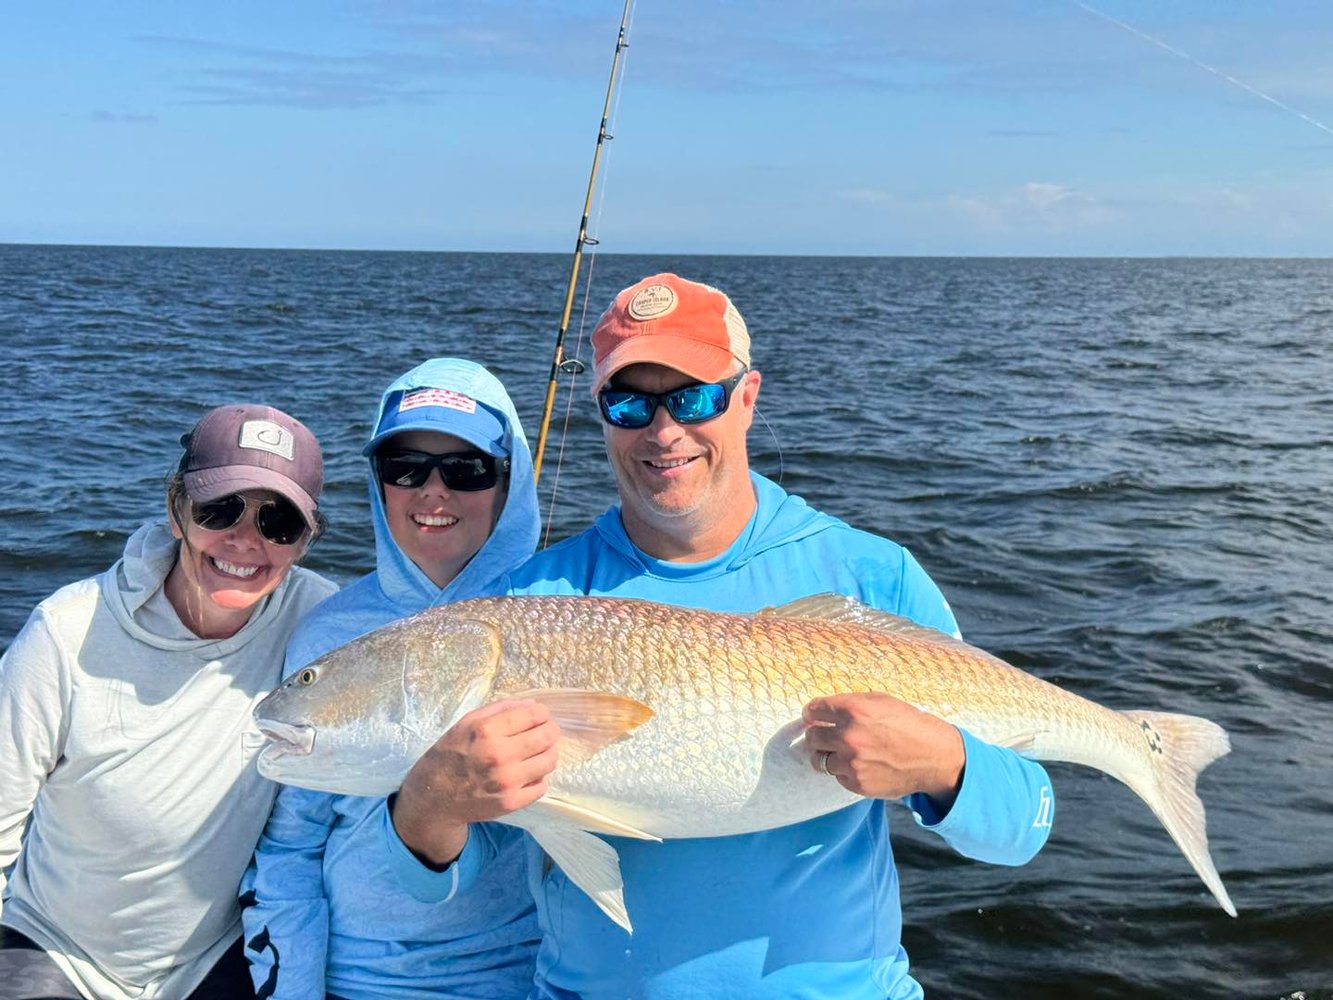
1120,472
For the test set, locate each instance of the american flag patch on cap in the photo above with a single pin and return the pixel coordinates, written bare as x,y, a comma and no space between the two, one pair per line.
437,397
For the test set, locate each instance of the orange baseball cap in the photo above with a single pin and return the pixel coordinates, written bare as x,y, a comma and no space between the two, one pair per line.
668,320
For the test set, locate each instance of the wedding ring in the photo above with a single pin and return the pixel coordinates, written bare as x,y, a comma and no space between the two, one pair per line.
823,763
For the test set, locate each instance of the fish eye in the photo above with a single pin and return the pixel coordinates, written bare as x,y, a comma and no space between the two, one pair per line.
307,676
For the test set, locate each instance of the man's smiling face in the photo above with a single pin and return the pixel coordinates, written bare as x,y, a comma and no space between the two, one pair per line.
680,480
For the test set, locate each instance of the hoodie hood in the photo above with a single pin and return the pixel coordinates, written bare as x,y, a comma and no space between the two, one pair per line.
515,535
149,555
398,587
779,517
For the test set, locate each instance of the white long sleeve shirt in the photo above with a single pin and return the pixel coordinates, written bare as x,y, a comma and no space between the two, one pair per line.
129,799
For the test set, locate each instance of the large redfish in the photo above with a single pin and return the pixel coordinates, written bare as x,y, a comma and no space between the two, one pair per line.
684,723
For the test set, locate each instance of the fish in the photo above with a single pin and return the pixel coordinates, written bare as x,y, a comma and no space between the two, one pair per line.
678,722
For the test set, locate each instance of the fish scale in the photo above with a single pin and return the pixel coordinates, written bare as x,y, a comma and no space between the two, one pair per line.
720,688
685,723
714,704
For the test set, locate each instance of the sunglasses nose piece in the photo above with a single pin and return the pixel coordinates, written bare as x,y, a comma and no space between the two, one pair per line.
663,422
435,480
244,533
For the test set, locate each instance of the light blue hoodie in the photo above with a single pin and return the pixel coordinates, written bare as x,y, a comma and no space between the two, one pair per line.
327,912
808,910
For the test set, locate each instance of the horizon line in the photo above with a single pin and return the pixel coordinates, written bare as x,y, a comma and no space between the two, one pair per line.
673,253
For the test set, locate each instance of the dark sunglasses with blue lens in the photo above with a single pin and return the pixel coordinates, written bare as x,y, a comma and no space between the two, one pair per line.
463,471
690,404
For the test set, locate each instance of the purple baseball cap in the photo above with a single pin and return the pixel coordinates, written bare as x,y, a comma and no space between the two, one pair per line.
244,447
448,411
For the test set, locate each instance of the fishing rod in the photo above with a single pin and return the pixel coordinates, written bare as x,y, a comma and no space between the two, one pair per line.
559,363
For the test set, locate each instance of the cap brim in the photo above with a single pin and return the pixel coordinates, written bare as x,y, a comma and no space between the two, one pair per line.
441,420
212,484
705,362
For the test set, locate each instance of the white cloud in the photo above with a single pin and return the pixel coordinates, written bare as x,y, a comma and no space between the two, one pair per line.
1037,204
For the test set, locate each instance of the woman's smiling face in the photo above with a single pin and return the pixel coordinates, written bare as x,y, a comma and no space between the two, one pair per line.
439,529
220,576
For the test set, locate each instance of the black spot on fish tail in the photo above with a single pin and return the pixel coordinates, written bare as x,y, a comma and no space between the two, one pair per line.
1154,738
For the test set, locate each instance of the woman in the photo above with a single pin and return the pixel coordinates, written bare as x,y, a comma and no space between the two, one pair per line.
127,700
454,508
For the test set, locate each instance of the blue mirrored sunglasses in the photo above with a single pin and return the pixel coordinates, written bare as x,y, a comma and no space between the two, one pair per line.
690,404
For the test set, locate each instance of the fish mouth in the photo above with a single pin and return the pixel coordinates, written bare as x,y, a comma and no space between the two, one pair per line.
286,739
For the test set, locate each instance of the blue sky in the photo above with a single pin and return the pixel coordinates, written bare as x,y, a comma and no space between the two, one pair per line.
843,126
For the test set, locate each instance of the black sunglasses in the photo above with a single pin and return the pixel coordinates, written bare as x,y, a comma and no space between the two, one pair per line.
463,471
690,404
277,519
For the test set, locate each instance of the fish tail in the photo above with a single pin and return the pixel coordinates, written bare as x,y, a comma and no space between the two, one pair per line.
1178,748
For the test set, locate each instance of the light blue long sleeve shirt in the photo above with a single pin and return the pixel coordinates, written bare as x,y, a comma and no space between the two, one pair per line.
327,910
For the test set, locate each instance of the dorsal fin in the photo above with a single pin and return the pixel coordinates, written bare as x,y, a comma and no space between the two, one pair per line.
839,609
817,607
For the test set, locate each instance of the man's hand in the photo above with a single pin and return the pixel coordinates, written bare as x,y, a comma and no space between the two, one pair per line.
883,748
495,760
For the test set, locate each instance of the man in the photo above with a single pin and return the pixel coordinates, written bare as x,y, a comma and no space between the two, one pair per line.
807,910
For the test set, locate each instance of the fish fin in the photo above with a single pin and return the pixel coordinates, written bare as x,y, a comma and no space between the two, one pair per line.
588,819
1178,747
816,607
839,609
1020,743
588,861
589,721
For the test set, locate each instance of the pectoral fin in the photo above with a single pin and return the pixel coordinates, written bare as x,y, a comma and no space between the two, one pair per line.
589,720
589,862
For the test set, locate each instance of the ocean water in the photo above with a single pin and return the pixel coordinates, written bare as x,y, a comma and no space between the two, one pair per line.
1119,471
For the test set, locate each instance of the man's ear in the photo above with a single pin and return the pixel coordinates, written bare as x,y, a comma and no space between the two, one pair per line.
750,392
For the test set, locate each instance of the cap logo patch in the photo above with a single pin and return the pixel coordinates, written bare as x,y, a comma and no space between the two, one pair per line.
437,397
265,435
652,302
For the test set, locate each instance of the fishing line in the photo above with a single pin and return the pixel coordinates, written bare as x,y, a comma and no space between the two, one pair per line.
782,468
1204,66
